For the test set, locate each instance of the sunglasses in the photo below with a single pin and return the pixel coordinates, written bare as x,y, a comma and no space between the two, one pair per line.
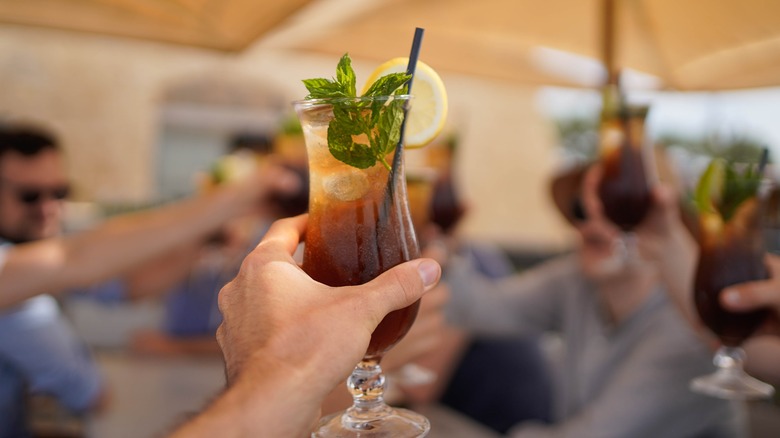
33,195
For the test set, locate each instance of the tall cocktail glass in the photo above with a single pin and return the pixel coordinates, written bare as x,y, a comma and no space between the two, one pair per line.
359,226
624,189
731,251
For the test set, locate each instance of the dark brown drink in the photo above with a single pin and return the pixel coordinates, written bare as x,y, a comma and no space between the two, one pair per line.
359,226
446,208
730,254
624,190
352,244
293,204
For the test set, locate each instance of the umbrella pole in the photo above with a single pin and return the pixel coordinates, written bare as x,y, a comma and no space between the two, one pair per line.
608,40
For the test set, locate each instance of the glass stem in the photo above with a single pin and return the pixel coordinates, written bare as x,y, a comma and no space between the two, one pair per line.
631,247
729,359
367,386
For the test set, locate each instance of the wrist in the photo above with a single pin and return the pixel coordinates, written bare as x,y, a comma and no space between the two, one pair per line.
267,395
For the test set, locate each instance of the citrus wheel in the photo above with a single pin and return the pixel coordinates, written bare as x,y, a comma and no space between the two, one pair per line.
428,110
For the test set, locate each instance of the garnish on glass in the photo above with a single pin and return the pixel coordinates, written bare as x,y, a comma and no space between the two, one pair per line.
361,138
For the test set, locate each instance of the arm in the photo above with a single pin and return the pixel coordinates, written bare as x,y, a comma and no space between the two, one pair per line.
161,274
287,347
526,303
121,243
643,392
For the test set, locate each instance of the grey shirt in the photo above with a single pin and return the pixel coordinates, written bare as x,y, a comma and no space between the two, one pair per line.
612,381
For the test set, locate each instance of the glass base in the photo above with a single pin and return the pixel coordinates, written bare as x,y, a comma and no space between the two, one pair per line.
398,422
732,384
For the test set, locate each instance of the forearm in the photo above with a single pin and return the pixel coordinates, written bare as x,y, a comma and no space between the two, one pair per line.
162,274
53,265
268,398
677,267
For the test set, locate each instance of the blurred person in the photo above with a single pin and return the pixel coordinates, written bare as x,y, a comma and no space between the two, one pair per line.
38,349
190,277
627,354
288,346
666,239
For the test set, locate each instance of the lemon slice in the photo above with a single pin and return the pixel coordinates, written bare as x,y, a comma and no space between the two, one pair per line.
710,187
428,111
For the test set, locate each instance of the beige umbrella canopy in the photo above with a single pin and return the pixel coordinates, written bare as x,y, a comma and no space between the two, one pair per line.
227,25
689,45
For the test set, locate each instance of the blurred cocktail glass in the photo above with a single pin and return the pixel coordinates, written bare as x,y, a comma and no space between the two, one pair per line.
624,189
731,251
359,226
419,188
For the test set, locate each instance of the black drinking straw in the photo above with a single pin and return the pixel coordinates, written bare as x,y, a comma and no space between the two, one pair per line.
763,161
410,69
398,155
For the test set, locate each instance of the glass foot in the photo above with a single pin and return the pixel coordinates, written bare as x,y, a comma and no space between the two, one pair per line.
401,423
729,384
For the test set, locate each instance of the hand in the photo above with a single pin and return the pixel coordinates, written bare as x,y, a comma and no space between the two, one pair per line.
758,294
661,229
283,330
663,240
258,191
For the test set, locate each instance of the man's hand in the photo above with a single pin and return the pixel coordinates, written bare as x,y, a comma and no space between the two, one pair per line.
758,294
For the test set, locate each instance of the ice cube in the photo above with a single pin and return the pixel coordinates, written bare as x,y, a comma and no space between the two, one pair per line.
347,185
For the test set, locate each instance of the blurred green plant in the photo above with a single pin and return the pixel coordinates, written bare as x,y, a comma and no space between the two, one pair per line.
579,137
735,148
291,126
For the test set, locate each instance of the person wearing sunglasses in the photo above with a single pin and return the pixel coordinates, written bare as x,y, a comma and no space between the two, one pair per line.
626,355
39,352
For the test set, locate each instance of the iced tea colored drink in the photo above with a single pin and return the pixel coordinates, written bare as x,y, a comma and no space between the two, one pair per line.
359,220
624,189
359,223
731,251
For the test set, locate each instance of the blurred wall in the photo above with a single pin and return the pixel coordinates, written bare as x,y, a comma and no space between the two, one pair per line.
102,95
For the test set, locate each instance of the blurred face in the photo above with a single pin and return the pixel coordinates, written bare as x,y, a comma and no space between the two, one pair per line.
32,190
600,251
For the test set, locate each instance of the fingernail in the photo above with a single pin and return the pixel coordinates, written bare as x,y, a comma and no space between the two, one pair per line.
429,272
732,297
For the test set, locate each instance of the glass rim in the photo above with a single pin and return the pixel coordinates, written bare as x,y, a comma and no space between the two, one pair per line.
308,103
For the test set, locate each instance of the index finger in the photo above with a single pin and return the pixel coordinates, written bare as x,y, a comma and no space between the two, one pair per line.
285,234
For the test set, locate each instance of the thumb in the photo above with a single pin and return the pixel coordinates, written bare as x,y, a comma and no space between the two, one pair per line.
750,296
398,287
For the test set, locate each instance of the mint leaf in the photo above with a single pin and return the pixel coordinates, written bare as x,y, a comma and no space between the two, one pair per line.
391,119
388,84
344,149
323,89
345,76
376,121
737,188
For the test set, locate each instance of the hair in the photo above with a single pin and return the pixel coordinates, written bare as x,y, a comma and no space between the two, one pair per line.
255,142
26,140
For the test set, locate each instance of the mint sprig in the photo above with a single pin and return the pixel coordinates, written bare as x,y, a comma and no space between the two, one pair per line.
361,132
737,188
